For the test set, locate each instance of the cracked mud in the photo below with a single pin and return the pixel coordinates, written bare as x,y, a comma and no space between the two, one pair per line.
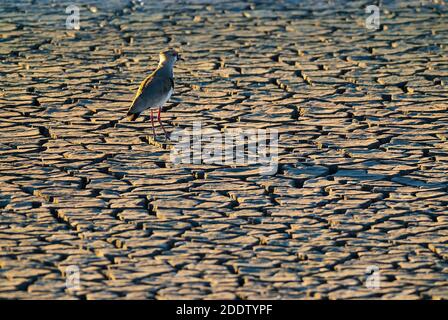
363,153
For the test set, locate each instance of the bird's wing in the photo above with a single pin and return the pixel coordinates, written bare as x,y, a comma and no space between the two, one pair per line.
142,86
151,94
145,83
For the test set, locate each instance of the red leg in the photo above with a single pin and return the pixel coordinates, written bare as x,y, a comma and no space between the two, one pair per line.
152,123
160,122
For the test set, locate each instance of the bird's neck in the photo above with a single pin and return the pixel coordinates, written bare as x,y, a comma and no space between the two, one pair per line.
166,68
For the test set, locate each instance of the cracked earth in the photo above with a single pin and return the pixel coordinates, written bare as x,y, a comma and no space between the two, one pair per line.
363,152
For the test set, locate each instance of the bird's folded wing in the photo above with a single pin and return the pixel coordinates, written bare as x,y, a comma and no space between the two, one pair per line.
151,93
145,83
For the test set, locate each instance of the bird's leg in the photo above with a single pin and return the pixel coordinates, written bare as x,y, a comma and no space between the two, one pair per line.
160,122
152,123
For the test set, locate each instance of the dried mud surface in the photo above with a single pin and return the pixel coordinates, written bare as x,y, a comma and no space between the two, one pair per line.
363,151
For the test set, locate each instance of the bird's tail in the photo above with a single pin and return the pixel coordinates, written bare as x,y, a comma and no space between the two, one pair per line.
132,116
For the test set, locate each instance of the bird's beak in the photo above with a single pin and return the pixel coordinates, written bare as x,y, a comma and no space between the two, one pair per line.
179,57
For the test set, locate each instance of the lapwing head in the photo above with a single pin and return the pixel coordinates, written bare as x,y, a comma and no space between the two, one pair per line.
169,56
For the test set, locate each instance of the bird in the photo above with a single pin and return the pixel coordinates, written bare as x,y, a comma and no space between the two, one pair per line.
155,90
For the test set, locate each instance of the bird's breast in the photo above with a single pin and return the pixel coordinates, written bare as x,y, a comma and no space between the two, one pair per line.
157,102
